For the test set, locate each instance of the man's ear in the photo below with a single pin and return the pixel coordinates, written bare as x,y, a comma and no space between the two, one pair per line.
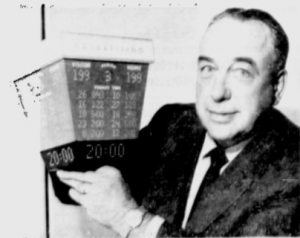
279,86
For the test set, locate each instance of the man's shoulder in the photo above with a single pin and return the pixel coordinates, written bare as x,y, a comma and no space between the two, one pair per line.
174,113
281,125
174,119
177,109
278,140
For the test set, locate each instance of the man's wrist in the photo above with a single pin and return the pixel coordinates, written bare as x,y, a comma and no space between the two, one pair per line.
149,227
134,217
136,222
128,220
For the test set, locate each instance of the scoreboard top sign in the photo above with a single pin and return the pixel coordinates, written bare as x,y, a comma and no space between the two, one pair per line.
97,47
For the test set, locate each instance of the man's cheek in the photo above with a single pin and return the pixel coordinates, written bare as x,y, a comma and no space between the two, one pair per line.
246,120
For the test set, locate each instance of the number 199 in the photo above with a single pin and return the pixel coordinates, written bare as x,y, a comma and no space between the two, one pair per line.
81,75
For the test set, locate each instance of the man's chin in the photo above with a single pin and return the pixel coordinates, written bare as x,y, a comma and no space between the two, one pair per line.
228,138
223,137
224,142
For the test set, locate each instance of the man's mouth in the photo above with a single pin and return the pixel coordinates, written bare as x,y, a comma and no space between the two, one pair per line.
221,117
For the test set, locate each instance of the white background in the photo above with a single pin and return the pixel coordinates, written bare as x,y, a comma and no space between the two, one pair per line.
176,31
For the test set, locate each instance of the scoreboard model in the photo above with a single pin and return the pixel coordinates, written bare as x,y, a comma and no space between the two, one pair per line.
92,90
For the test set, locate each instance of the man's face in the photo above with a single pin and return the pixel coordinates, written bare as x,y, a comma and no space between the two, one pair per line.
234,86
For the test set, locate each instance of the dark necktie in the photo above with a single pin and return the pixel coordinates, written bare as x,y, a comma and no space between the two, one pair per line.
218,160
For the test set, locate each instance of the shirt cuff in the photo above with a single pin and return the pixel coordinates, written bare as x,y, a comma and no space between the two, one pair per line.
154,226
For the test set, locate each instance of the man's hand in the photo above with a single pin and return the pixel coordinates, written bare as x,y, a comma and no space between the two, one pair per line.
104,194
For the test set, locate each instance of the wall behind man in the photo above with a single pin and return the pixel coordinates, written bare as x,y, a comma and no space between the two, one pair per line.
175,30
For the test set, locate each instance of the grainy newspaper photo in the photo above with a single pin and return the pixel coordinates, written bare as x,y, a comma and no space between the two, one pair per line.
150,119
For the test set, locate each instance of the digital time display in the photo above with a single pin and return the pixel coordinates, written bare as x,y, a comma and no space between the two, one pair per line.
97,151
62,156
79,154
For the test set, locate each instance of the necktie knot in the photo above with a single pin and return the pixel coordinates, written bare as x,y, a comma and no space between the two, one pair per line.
218,157
218,160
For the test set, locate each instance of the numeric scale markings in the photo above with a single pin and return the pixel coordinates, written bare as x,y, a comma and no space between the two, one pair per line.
107,109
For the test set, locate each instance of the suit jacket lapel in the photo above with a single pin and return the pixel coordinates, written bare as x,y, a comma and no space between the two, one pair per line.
192,159
170,185
220,196
182,179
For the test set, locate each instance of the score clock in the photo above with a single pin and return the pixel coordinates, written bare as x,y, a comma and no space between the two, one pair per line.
92,93
91,90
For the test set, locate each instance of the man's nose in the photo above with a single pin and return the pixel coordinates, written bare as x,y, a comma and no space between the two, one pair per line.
220,90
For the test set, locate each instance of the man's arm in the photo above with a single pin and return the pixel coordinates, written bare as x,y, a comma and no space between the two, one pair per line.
107,199
150,152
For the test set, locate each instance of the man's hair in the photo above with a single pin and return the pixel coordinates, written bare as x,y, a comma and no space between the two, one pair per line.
280,39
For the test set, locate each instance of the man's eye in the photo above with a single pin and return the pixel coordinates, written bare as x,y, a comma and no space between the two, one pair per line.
242,73
207,71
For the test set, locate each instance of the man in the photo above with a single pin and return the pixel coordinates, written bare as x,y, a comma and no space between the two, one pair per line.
188,192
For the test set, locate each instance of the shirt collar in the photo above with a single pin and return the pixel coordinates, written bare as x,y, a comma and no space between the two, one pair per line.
208,145
231,152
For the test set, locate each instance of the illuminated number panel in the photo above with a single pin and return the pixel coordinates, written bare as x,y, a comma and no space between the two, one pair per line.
106,98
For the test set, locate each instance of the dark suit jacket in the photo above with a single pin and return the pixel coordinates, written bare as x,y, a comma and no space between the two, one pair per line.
257,195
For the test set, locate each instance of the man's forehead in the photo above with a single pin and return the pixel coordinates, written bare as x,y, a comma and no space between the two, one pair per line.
233,34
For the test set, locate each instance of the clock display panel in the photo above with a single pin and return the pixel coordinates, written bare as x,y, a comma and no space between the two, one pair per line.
82,156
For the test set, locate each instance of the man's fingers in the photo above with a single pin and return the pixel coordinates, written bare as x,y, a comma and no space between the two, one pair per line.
79,186
87,177
108,171
76,196
71,182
